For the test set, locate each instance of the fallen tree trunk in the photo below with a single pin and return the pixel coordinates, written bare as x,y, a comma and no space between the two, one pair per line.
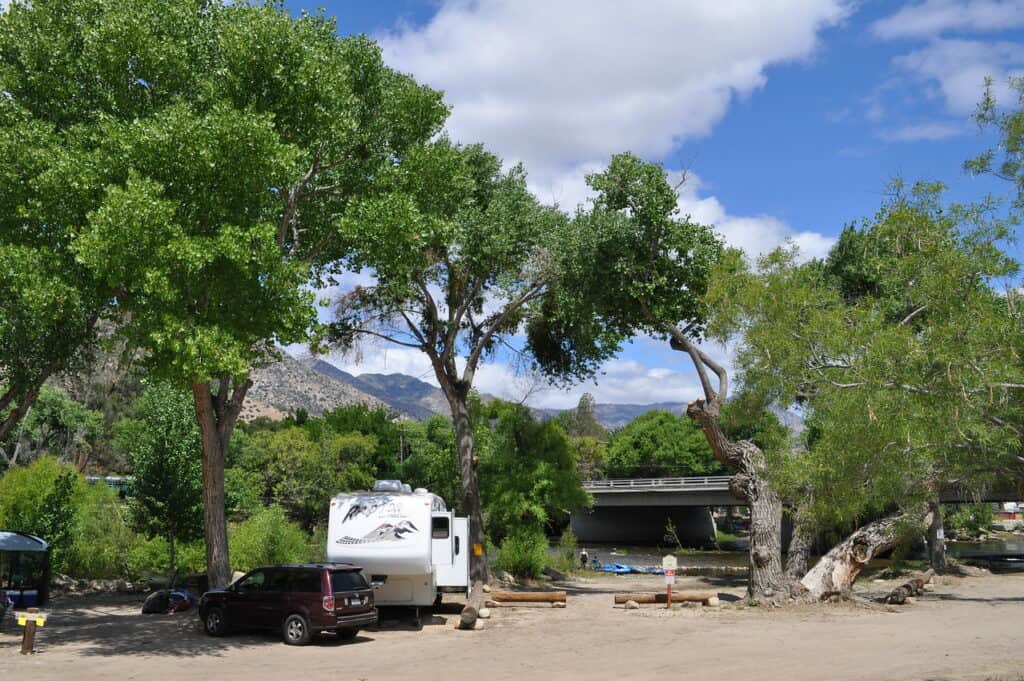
838,569
689,596
914,587
528,596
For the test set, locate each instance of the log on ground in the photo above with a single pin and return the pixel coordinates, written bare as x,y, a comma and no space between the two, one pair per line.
528,596
679,596
914,587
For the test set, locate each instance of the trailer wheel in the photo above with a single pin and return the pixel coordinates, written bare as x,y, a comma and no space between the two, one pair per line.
437,600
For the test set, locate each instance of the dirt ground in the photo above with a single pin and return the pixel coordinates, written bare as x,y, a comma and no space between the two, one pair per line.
968,628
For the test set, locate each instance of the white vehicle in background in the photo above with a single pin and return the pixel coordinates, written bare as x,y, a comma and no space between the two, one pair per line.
411,548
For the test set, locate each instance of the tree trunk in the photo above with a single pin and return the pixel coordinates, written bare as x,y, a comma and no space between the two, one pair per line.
27,399
216,414
750,484
170,549
936,538
799,555
471,504
837,570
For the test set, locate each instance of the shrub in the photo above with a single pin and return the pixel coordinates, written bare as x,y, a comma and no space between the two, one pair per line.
43,499
147,557
969,520
523,553
267,537
566,558
97,550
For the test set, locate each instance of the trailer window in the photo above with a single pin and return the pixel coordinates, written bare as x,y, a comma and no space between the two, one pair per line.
439,528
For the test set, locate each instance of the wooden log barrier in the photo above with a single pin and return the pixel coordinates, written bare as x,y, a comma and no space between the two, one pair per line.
528,596
708,597
914,587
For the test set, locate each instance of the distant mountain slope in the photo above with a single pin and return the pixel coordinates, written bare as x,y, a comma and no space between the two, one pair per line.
405,394
288,385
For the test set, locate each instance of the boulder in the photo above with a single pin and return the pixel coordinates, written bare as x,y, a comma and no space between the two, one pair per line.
558,604
631,605
554,574
484,613
506,578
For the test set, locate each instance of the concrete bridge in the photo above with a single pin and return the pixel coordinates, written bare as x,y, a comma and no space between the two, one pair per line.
637,510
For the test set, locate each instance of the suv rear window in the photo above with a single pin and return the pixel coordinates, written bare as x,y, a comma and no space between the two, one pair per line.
347,581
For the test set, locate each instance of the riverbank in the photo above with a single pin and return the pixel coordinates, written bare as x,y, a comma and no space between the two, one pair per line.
967,629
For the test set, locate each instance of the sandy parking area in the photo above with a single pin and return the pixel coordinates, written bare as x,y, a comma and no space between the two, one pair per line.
969,628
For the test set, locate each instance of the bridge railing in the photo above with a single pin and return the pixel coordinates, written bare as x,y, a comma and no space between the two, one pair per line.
716,482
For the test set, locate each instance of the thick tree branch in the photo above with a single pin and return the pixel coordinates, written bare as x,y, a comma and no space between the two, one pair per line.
495,322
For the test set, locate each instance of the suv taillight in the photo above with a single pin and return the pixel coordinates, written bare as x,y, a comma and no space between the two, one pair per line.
329,603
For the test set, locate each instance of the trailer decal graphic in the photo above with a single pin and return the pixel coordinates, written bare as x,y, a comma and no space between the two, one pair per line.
385,532
366,506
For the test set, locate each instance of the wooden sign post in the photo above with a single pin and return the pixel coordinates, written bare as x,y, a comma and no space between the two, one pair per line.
668,563
30,619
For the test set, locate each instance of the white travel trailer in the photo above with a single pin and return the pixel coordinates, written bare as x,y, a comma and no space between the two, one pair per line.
409,545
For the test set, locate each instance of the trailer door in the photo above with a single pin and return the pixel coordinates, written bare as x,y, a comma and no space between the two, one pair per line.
443,546
454,577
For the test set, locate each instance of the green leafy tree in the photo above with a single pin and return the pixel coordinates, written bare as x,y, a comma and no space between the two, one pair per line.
162,442
905,360
198,157
56,425
303,472
659,444
460,250
1006,159
635,266
529,473
432,459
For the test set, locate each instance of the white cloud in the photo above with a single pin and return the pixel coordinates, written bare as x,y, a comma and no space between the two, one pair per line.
627,381
959,69
561,84
933,17
756,234
929,131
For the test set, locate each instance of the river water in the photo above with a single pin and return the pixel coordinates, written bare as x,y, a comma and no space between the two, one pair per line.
734,555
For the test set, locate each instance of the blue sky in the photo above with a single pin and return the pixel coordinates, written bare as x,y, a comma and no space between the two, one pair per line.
791,116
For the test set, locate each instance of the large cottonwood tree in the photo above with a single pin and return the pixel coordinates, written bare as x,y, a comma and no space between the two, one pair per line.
461,254
635,266
212,148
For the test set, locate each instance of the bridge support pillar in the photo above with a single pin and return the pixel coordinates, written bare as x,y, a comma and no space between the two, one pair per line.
644,525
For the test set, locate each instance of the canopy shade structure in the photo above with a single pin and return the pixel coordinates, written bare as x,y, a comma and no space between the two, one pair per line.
20,541
24,569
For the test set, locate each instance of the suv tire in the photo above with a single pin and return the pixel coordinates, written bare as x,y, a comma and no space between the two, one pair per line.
215,621
296,630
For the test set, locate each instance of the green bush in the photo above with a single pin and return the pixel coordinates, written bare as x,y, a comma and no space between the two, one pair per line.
149,557
267,537
43,499
100,535
968,520
523,553
566,558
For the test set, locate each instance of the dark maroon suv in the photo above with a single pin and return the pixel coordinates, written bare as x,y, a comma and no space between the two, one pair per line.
297,600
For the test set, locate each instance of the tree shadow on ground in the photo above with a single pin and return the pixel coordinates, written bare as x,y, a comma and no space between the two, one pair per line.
994,600
114,625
